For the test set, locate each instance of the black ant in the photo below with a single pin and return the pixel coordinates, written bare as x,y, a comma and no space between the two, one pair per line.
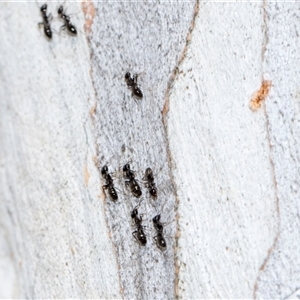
71,28
109,184
138,234
128,173
159,238
134,215
131,82
46,21
157,224
149,178
131,182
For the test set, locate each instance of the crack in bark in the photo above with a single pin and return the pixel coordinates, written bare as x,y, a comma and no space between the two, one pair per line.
165,111
273,247
175,72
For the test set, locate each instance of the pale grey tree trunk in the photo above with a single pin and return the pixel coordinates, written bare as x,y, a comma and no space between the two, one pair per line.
227,175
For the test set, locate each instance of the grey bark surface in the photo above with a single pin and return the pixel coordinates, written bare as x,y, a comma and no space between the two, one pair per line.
228,177
147,38
52,221
280,274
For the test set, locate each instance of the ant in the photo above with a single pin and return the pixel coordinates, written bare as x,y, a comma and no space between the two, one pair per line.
46,21
131,82
71,28
131,181
109,184
138,234
159,238
149,178
128,173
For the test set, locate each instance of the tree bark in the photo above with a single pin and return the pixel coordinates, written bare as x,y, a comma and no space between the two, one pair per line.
218,124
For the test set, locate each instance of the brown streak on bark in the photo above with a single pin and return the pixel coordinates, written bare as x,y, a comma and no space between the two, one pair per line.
265,94
181,58
165,111
260,96
89,11
86,175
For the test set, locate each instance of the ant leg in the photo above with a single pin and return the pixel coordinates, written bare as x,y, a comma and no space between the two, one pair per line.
145,181
40,24
146,228
127,185
104,187
141,73
63,27
135,76
50,18
65,10
127,190
118,190
134,235
134,98
74,13
138,205
156,248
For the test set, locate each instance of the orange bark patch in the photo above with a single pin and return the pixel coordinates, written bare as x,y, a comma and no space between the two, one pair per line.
260,95
89,11
86,175
165,108
93,110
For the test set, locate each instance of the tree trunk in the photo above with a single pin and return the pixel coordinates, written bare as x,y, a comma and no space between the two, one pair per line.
218,124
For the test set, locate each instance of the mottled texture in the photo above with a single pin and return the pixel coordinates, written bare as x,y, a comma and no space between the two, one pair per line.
281,274
148,38
227,176
53,230
227,206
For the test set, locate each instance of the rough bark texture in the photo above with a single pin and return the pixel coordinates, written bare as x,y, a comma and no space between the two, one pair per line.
227,206
140,38
227,175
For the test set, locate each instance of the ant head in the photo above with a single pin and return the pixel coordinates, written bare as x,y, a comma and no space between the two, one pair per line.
104,170
60,10
156,218
44,7
148,172
127,76
126,168
134,213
